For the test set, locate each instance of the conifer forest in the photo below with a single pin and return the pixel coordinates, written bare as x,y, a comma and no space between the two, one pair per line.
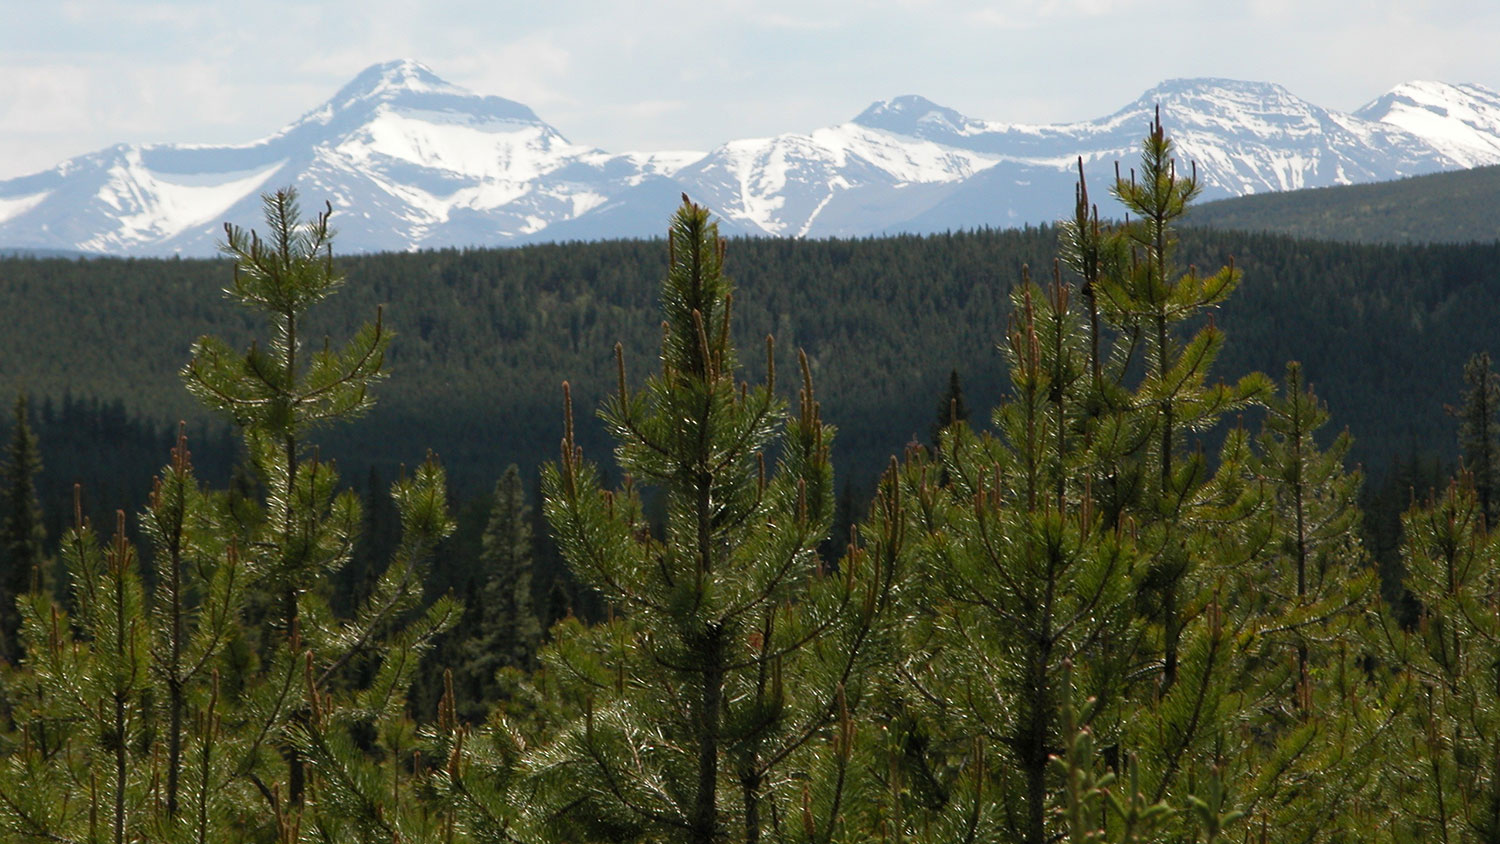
1033,537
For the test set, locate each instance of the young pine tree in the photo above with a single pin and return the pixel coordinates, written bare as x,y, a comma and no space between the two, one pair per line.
731,655
1306,589
305,529
1145,296
1022,579
1314,572
1445,775
121,694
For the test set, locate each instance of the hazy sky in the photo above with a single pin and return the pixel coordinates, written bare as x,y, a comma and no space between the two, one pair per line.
79,75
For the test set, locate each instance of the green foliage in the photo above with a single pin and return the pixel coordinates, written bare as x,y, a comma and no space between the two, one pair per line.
277,394
154,701
501,629
21,535
1479,432
1020,575
121,699
951,408
709,695
1431,208
1445,774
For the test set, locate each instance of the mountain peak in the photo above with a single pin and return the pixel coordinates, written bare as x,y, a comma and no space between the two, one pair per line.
1208,84
917,117
1431,95
408,84
389,80
1460,121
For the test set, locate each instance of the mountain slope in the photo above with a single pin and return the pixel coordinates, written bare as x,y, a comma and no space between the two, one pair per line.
411,161
1460,121
1436,208
414,160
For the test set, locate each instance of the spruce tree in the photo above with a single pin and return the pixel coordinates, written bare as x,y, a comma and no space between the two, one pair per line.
1479,432
951,408
508,631
22,542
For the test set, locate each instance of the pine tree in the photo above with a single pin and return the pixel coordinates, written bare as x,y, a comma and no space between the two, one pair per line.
305,529
1315,568
138,669
199,594
1144,295
1303,587
1023,579
730,655
1479,432
23,538
280,393
1078,564
1445,769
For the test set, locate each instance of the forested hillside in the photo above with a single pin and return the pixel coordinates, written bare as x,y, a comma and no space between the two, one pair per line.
489,336
1432,208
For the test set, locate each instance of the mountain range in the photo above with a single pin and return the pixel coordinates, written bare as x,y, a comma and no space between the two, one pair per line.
410,161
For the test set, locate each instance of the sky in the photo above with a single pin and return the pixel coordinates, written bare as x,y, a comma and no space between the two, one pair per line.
80,75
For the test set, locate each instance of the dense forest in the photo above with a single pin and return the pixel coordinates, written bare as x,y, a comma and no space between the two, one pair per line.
1432,208
1024,536
490,335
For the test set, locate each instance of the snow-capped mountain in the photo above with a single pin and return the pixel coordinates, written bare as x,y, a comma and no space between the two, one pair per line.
1460,121
411,161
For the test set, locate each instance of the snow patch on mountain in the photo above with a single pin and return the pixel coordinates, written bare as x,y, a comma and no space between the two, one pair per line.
1461,121
781,185
15,206
156,206
411,161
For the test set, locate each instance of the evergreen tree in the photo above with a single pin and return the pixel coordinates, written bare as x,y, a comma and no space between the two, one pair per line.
139,669
1445,767
378,539
951,408
276,395
1315,567
1305,588
1144,294
23,537
710,696
508,631
1023,579
1479,432
304,530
